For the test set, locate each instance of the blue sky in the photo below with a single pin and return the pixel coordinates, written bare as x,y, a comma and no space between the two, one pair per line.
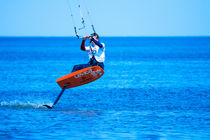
110,17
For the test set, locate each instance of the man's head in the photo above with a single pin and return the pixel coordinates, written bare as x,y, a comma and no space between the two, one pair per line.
95,35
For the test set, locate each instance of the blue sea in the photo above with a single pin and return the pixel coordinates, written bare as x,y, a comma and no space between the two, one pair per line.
153,88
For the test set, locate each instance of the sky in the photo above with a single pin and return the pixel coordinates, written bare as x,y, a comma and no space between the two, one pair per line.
109,17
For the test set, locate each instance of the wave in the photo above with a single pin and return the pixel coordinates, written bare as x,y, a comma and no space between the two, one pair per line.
23,105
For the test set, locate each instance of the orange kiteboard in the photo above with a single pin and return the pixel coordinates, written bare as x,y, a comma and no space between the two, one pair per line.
80,77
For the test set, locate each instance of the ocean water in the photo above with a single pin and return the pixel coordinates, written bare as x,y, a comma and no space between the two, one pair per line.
153,88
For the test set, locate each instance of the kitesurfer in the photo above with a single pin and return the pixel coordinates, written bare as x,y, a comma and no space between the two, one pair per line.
96,52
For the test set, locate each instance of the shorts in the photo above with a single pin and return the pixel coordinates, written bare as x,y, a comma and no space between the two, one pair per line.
91,63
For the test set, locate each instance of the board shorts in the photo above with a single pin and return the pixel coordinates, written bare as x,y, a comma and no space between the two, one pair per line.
91,63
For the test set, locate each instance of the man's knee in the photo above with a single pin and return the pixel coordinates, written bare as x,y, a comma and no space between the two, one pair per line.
81,66
75,68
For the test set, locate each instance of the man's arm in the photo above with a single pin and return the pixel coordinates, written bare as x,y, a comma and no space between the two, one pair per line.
83,45
97,42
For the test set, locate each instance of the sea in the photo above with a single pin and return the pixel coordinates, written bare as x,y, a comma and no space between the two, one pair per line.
154,88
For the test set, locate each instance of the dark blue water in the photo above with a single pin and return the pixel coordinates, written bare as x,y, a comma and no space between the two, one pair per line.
153,88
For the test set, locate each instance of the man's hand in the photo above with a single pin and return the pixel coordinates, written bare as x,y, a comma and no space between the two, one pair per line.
89,37
92,37
85,37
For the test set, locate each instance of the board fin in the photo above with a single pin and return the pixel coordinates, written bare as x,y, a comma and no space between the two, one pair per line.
49,107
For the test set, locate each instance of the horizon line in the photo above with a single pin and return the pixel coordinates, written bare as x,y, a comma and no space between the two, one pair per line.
100,36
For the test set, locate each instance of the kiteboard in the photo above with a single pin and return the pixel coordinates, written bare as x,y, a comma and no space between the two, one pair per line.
80,77
77,78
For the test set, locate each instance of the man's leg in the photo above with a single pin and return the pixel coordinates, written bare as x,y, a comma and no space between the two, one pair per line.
101,65
80,66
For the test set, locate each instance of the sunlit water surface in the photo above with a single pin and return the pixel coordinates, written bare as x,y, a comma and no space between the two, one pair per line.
153,88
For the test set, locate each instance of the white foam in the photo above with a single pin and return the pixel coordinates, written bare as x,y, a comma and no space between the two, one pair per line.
23,105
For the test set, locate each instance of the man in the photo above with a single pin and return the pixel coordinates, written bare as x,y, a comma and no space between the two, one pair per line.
96,52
